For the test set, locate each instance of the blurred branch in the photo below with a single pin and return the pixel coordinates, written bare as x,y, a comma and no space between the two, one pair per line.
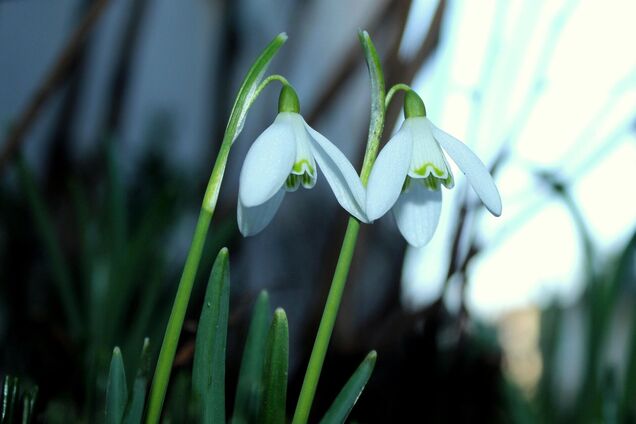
53,81
342,74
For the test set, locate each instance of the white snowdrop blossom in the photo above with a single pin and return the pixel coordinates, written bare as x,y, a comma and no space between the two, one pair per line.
410,170
284,157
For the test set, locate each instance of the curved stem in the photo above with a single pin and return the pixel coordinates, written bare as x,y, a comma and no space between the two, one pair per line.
393,90
328,320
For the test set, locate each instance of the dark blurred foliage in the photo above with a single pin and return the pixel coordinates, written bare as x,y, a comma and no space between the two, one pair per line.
90,259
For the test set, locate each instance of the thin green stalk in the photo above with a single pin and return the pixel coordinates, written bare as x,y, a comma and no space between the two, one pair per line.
327,322
246,95
392,91
175,322
376,126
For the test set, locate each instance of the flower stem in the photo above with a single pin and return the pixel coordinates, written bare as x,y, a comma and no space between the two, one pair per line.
246,96
173,330
327,323
393,90
328,320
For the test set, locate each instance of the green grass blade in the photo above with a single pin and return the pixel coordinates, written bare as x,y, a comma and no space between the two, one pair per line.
275,371
9,398
135,409
250,384
208,372
46,231
28,402
346,399
116,391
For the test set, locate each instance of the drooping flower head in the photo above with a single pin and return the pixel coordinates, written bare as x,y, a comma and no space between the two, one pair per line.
284,157
410,170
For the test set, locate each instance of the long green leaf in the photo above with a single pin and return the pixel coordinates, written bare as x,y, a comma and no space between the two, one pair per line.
208,373
250,384
116,391
275,371
135,409
9,398
348,396
46,232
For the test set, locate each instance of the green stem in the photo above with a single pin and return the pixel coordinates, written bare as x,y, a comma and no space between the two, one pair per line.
173,330
327,323
328,320
245,98
392,91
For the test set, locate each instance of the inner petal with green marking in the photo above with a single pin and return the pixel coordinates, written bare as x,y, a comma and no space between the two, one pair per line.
428,163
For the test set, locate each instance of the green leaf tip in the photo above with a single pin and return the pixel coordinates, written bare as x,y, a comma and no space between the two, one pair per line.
280,314
116,389
348,396
275,371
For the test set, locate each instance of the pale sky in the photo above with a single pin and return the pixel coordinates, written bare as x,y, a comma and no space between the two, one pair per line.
579,125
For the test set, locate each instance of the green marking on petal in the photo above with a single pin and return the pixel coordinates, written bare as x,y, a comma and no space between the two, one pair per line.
292,183
431,182
449,182
406,185
303,163
423,170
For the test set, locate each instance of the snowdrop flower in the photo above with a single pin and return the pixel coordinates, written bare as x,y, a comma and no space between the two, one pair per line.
284,157
410,170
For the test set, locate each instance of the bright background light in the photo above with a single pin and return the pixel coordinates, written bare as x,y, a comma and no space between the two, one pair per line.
556,80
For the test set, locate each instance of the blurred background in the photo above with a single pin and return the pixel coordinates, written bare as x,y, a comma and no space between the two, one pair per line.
112,113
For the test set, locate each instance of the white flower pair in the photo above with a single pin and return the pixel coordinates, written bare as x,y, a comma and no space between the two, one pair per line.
406,177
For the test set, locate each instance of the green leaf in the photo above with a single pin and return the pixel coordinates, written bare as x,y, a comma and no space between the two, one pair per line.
28,402
135,409
208,373
9,398
250,384
46,231
275,371
376,124
346,399
116,391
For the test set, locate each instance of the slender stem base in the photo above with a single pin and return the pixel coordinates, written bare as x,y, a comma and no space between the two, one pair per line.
173,330
327,322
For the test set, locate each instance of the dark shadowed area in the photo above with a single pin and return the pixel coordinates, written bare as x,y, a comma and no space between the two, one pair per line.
112,113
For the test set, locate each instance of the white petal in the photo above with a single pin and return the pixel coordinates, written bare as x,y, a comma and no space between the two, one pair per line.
339,173
427,157
252,220
417,213
267,164
388,174
475,170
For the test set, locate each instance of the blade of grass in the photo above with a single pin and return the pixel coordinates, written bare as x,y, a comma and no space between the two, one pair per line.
208,371
116,390
9,398
348,396
46,231
135,409
250,383
275,371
